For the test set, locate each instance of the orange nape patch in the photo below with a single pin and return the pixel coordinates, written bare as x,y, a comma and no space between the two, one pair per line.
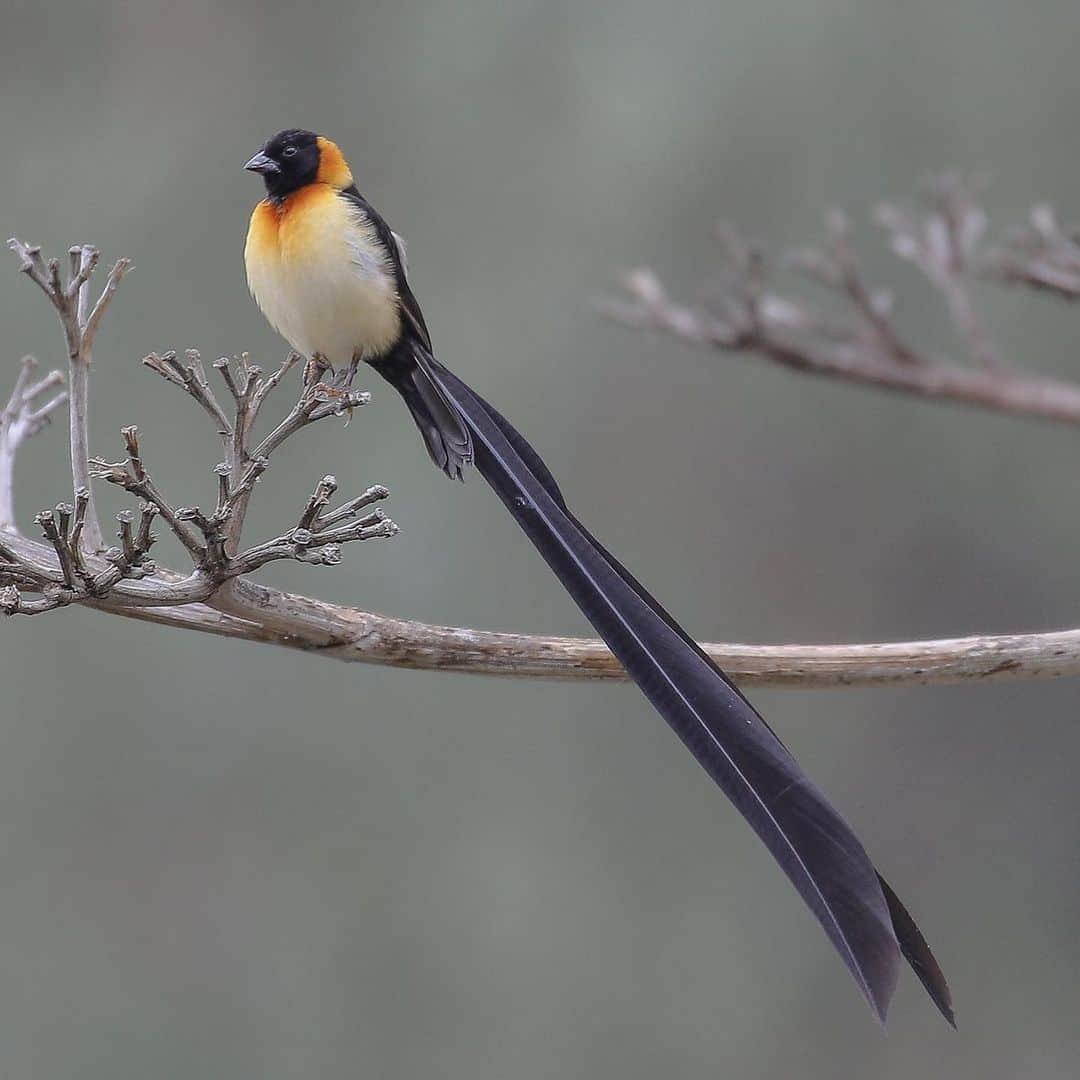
333,168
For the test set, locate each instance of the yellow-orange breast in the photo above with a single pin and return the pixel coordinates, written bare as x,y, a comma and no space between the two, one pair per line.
319,274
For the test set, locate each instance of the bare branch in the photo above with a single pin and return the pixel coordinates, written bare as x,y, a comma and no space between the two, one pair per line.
1042,255
72,580
348,509
82,504
132,476
64,578
837,268
1005,391
19,420
71,302
192,378
247,611
316,402
47,523
243,393
249,390
83,260
324,489
313,540
869,349
267,385
942,243
216,596
367,637
92,321
306,546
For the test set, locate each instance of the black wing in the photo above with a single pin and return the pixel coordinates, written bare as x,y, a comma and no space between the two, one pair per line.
395,247
407,365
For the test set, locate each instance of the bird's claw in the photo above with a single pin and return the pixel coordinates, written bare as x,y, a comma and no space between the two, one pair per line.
315,368
343,380
340,382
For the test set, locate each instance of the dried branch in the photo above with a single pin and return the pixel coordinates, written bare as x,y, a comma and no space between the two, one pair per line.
217,597
69,576
312,542
942,240
72,304
20,419
192,377
323,549
73,578
838,269
132,476
253,612
1041,255
124,575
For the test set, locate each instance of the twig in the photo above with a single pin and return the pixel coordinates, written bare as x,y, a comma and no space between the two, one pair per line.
349,509
1049,399
249,390
312,540
1042,255
192,378
132,476
316,402
71,302
943,244
253,612
19,420
91,322
838,269
270,383
321,549
324,489
870,349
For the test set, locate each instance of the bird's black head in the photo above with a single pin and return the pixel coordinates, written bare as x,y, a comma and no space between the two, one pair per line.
288,161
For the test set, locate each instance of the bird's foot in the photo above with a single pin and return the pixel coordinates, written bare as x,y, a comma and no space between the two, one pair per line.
316,368
338,388
343,379
340,382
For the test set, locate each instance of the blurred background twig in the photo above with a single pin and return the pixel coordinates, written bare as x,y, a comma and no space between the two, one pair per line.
943,241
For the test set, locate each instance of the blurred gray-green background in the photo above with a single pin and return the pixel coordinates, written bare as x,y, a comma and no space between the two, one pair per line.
222,860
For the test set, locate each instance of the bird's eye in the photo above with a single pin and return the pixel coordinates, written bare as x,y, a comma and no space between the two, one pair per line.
289,151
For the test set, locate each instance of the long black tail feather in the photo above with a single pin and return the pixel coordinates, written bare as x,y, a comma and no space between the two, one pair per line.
813,845
445,433
917,953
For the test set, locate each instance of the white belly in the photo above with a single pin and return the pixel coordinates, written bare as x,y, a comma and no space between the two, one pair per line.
321,279
320,309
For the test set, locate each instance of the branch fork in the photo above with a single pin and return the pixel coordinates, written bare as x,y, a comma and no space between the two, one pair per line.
27,411
78,567
1041,255
209,538
941,236
80,322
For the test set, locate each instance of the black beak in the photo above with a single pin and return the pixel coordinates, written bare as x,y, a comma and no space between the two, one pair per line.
260,163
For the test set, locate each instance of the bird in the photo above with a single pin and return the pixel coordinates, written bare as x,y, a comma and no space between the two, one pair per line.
330,276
